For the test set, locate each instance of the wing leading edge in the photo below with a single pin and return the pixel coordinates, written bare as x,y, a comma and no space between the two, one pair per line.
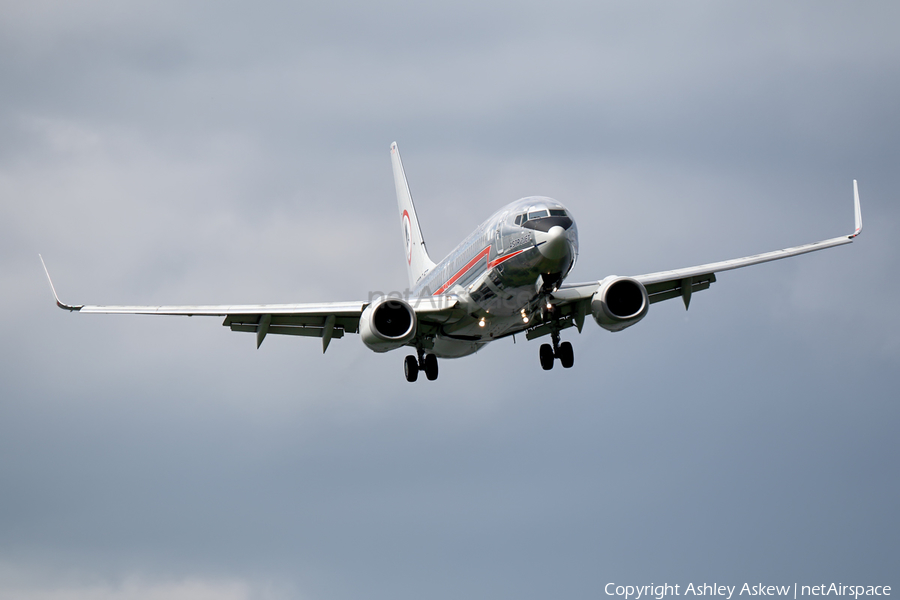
682,283
325,320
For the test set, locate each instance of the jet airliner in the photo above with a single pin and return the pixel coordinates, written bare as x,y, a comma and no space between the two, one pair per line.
507,277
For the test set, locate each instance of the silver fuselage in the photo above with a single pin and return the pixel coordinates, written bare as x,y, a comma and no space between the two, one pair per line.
501,272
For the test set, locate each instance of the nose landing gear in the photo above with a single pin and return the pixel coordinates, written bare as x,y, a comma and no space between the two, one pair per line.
563,352
425,362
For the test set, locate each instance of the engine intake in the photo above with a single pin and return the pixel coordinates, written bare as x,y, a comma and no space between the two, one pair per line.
620,302
386,324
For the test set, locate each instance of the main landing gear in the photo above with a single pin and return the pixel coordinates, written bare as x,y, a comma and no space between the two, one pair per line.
563,352
425,362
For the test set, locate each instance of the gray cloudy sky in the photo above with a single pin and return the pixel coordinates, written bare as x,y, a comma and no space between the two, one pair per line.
211,152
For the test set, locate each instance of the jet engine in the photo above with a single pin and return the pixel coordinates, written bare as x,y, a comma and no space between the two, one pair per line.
386,324
620,302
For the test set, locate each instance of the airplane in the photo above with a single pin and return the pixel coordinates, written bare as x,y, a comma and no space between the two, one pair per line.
507,277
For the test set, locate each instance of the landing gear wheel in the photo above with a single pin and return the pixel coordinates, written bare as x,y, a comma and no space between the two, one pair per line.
411,368
566,355
546,357
431,367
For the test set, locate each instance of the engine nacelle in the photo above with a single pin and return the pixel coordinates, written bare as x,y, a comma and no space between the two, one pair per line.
387,323
619,303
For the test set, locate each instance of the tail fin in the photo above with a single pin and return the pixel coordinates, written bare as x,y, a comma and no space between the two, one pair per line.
417,260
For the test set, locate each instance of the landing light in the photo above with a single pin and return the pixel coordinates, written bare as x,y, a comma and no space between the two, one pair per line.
549,306
481,323
524,319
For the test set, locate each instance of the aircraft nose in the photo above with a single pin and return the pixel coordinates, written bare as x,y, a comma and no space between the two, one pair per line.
553,244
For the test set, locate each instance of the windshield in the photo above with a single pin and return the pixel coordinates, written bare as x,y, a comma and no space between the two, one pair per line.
544,219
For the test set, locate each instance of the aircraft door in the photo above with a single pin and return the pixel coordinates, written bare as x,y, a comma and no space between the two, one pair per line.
498,234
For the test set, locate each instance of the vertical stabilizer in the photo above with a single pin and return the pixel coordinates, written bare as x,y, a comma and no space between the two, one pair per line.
417,260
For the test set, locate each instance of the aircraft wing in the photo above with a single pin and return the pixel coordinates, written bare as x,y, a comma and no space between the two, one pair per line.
326,320
676,283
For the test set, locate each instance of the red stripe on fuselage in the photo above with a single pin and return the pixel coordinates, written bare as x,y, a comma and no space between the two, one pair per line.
497,261
461,272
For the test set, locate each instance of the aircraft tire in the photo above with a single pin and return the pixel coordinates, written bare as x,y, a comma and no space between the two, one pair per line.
411,368
566,355
546,357
431,367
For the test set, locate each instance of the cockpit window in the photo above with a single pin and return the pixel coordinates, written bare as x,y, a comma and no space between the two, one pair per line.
558,215
545,219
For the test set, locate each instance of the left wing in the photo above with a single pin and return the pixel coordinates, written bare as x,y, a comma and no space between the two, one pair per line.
328,320
684,282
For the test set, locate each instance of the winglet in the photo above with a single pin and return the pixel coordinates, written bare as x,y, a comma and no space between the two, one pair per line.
53,289
857,211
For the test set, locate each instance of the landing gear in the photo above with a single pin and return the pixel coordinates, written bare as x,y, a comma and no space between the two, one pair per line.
566,355
411,368
431,367
563,352
425,362
546,357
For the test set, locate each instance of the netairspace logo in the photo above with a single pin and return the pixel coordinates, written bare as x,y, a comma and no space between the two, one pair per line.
636,592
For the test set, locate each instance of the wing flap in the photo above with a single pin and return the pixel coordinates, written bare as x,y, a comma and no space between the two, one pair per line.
326,320
336,308
683,288
665,285
290,330
349,323
737,263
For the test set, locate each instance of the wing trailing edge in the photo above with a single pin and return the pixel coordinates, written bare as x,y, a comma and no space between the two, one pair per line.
682,283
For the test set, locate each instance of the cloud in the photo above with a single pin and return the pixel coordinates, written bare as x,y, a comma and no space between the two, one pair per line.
132,589
214,153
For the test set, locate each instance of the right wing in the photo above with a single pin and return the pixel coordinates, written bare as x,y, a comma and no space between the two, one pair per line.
664,285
